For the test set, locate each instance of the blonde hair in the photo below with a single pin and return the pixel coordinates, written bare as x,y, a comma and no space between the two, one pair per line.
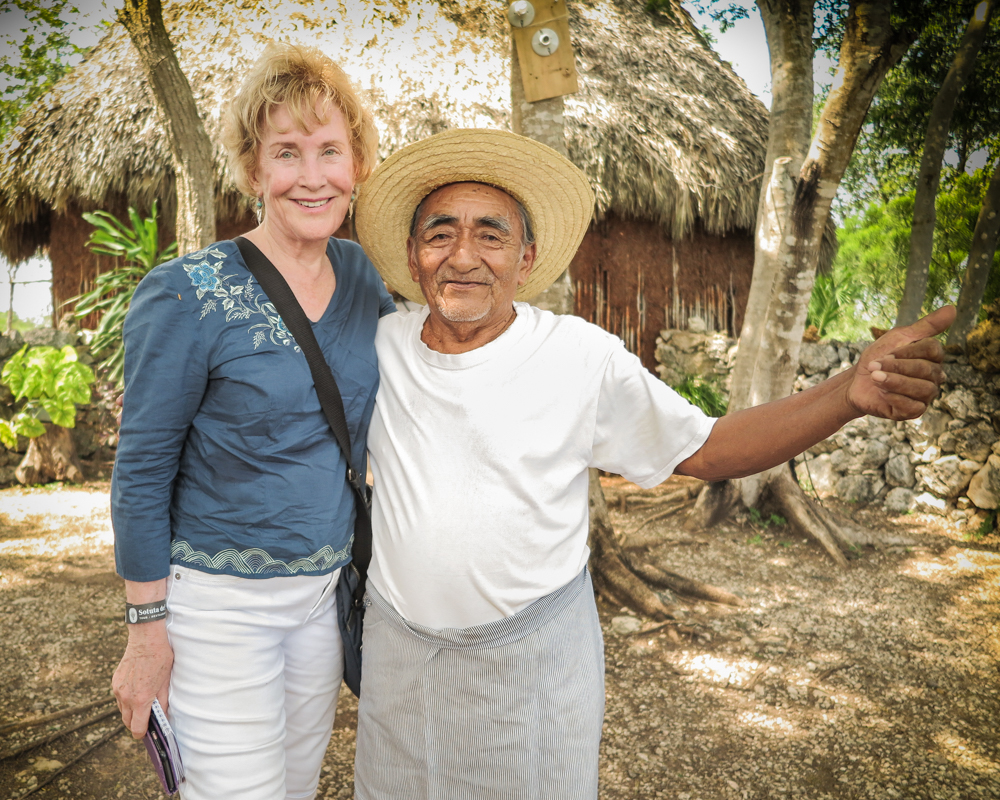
301,79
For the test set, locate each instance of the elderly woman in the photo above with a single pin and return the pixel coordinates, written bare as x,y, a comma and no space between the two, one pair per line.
229,500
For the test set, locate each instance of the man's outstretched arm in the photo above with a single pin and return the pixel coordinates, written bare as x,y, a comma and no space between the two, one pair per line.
896,377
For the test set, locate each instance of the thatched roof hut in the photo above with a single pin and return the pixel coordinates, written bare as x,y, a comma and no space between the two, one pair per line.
671,139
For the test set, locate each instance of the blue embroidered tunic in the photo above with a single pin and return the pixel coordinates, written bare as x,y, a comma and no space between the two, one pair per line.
226,462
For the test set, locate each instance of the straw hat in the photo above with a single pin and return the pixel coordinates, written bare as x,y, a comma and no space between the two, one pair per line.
556,194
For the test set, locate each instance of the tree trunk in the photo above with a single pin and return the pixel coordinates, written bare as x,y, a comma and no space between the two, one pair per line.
543,122
788,25
935,142
977,271
190,146
50,457
795,204
615,578
624,582
11,274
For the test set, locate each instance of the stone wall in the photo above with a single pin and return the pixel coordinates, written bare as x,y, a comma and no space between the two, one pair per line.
947,462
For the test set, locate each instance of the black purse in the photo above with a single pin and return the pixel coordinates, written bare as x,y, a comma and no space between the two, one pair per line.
351,586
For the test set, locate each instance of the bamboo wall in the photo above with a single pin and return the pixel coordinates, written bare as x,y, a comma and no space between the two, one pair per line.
74,266
633,280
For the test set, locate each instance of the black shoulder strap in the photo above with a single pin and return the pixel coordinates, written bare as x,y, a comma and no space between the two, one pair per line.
279,293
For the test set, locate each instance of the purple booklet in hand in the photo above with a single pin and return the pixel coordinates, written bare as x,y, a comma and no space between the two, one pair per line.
162,748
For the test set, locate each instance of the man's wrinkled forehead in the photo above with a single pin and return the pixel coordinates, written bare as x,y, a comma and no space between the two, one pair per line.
473,185
504,222
448,215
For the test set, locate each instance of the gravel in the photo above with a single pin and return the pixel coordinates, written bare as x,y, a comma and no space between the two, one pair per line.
880,681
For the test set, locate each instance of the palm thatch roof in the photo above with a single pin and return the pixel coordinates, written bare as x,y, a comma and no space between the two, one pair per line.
663,128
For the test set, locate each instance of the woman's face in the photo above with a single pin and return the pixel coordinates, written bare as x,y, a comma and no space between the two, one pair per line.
305,179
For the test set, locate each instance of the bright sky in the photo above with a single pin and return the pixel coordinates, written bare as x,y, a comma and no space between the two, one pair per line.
744,46
32,290
32,284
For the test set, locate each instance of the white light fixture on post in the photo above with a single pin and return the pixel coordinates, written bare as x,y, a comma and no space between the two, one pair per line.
542,44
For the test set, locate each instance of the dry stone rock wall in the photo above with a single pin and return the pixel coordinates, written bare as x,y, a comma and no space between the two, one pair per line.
947,462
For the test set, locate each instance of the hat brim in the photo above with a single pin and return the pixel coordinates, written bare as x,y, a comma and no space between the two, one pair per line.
556,194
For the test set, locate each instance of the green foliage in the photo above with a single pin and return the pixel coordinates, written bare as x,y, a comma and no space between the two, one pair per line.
986,527
51,381
137,245
724,14
21,325
887,157
704,394
831,301
758,519
44,52
870,268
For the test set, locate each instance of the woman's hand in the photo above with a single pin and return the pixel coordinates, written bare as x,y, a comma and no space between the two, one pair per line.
144,671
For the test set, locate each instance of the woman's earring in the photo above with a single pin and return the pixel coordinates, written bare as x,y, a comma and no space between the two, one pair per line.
258,209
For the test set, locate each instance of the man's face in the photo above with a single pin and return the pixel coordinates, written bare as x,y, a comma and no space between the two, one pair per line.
467,253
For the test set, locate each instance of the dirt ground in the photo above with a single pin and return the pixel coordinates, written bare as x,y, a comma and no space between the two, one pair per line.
881,681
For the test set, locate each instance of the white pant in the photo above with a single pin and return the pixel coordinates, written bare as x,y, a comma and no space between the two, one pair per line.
257,669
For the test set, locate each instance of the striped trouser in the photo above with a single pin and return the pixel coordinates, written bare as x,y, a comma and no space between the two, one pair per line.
511,710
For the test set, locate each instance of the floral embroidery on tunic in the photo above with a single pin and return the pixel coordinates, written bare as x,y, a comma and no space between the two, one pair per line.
240,301
255,561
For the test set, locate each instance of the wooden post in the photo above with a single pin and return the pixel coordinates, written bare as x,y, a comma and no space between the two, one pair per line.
544,51
538,112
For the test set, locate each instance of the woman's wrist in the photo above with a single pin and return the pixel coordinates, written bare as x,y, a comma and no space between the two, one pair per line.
145,609
152,635
142,592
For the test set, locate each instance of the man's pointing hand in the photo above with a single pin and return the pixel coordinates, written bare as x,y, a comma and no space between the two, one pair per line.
898,375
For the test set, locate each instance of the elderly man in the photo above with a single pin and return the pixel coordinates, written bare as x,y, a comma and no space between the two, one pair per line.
483,658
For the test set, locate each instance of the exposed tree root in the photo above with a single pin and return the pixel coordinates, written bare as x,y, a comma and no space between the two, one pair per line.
52,776
24,748
50,457
642,503
835,533
10,727
662,579
803,514
857,536
625,582
673,508
715,502
613,577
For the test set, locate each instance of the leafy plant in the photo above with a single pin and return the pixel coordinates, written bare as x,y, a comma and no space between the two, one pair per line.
986,527
39,48
831,299
704,394
52,381
138,245
874,249
766,522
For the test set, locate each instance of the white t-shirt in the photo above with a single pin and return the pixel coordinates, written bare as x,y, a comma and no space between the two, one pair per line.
480,460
